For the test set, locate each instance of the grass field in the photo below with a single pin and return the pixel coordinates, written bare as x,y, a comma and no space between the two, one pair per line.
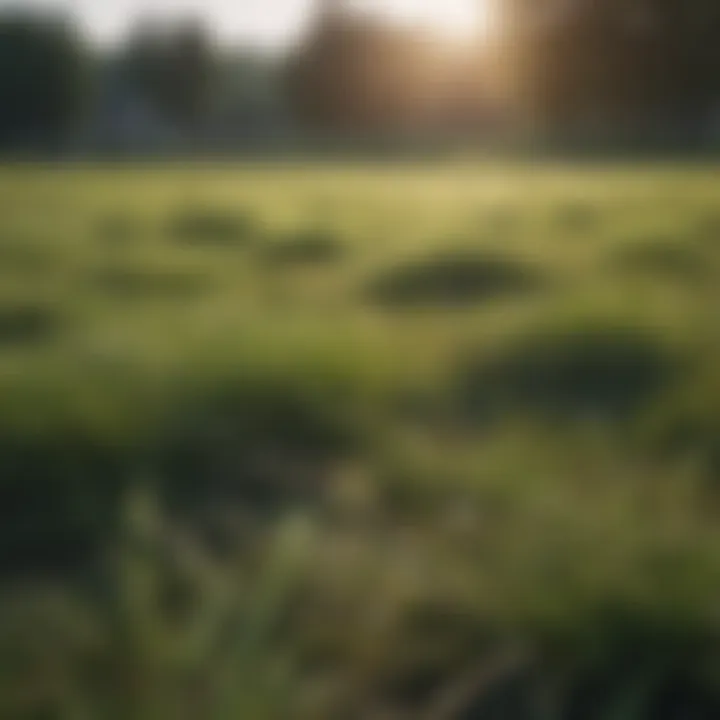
369,442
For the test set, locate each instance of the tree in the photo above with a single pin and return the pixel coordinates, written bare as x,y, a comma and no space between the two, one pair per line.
357,73
190,75
173,70
142,63
44,73
620,63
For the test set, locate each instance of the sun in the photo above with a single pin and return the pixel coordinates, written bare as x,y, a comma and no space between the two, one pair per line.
454,19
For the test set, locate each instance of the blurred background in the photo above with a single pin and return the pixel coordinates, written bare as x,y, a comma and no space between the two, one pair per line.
174,77
359,360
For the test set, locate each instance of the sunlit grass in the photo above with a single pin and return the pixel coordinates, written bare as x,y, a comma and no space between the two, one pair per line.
492,391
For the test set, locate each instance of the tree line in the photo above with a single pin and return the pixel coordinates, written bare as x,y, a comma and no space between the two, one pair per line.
617,63
593,64
53,81
599,66
43,79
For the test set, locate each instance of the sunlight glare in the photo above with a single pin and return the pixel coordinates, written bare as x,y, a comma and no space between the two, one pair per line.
456,19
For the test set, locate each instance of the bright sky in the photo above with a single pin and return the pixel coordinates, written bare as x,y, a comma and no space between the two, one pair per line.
269,23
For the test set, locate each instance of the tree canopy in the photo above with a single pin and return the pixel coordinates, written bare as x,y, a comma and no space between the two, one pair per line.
44,73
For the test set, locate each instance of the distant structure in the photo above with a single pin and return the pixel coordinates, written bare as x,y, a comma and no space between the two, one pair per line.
356,73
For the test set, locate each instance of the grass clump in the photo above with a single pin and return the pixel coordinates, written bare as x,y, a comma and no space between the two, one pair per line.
265,437
663,258
308,247
166,632
25,323
598,370
208,227
686,428
454,278
146,283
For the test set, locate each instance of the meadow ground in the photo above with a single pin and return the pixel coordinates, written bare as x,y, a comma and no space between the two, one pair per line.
360,442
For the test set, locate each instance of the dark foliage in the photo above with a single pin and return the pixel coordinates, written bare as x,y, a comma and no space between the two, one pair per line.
58,499
616,65
173,70
43,81
359,75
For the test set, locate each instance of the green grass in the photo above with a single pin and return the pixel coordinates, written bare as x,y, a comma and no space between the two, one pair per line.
489,392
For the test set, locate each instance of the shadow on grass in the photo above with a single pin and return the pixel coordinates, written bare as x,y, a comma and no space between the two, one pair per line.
454,278
661,257
263,445
28,323
686,429
268,447
118,229
632,666
309,247
147,284
58,497
212,227
591,372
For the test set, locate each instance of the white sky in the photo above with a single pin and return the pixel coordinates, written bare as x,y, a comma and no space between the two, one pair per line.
268,23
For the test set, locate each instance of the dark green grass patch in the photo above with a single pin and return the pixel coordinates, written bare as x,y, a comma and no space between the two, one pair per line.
686,428
604,371
265,440
664,258
59,499
454,278
147,283
212,227
309,247
28,323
